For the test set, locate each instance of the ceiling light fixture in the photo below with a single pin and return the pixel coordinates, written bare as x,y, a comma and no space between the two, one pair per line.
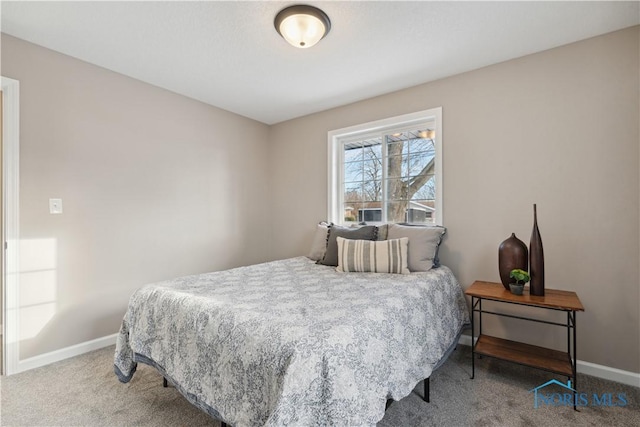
302,25
427,134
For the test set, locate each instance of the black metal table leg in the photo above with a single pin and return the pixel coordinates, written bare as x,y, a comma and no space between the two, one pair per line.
574,360
473,355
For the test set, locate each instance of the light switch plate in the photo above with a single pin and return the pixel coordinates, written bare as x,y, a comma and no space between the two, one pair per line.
55,206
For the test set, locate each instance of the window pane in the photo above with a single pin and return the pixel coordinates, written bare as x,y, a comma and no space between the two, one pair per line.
396,211
408,167
372,190
422,206
421,145
395,167
362,173
397,189
427,191
419,164
352,192
353,152
372,167
373,150
351,212
396,148
353,171
410,170
372,170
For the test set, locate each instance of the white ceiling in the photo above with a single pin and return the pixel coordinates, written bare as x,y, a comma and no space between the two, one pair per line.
229,55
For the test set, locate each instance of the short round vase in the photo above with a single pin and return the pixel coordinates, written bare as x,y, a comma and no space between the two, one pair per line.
516,289
512,254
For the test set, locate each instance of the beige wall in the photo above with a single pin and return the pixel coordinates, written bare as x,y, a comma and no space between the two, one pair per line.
560,129
154,185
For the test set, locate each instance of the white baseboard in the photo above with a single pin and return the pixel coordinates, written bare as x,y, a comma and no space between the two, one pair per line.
613,374
65,353
465,340
588,368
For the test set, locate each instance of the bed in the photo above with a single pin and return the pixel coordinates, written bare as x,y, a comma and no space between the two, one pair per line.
291,342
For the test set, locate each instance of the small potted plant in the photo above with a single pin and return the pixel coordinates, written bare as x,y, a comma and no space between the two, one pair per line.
521,277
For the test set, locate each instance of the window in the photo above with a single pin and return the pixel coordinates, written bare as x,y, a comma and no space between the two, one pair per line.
387,171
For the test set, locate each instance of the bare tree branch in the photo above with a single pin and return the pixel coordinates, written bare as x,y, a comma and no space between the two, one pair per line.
421,179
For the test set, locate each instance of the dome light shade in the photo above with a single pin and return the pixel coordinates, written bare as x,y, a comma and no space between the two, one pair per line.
427,134
302,26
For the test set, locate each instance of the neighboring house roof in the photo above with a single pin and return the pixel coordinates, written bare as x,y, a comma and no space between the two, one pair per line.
417,205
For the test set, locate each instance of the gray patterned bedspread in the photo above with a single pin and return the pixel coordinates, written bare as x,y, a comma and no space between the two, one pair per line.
293,343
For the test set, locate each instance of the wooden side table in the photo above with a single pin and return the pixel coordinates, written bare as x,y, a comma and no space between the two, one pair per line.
558,362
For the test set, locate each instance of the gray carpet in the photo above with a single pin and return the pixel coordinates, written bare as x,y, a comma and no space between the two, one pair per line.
84,391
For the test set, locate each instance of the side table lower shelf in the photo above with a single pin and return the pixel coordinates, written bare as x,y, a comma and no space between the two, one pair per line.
525,354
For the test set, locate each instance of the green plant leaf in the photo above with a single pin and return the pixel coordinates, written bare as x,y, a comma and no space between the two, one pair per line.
519,275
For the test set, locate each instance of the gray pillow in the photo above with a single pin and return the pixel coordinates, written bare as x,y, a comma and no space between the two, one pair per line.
319,244
423,244
368,232
383,230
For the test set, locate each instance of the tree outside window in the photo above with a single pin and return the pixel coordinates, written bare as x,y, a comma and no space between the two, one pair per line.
405,188
389,170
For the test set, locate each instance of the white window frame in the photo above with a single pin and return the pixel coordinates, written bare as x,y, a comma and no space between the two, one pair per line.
337,138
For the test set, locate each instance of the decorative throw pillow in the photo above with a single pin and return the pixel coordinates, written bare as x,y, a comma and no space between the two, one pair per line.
386,256
368,232
383,230
423,244
319,244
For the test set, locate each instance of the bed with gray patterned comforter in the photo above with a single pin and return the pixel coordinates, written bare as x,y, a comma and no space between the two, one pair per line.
291,342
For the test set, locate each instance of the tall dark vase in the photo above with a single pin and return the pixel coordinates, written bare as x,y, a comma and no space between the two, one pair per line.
512,253
536,259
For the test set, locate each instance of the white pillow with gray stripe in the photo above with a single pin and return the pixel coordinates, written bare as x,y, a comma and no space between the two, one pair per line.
370,256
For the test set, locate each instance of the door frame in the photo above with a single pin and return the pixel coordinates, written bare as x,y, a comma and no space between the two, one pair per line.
10,207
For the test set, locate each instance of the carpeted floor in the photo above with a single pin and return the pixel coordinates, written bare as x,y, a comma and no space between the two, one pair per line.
84,391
